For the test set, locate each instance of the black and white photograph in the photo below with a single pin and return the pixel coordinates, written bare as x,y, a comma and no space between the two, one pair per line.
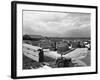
56,40
53,39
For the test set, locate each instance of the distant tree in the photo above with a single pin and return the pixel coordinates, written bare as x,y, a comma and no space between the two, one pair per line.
26,37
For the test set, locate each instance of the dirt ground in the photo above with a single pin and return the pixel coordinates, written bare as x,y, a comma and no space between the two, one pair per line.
31,64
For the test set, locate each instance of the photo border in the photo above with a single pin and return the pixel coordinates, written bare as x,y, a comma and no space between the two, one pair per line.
14,38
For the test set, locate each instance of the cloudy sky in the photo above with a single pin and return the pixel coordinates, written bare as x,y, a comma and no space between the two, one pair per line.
56,24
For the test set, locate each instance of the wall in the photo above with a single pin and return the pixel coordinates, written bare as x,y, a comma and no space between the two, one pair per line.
5,41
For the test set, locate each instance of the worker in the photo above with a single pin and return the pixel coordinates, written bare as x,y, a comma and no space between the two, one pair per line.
41,55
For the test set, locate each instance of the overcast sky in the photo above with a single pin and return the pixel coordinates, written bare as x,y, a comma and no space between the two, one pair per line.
55,24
